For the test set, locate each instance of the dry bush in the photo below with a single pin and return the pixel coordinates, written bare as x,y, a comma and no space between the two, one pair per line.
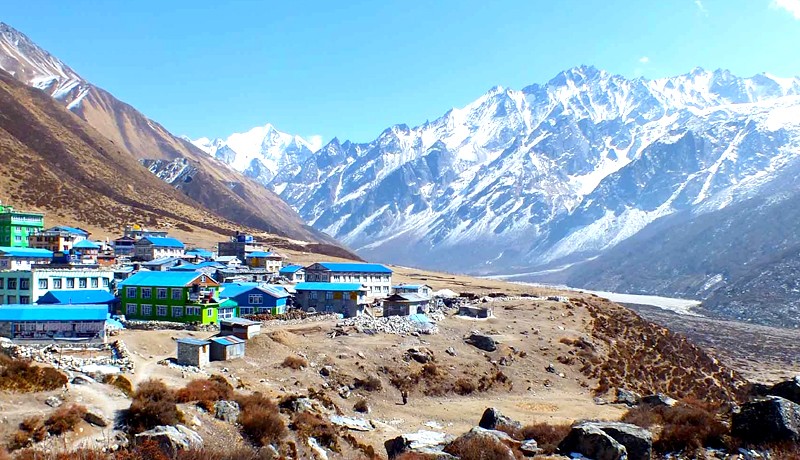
685,427
416,456
31,430
22,377
310,425
547,436
153,404
294,362
361,406
205,391
371,383
479,448
228,453
260,420
464,387
120,382
65,419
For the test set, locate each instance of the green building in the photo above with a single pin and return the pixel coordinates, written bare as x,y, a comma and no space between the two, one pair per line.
185,297
15,226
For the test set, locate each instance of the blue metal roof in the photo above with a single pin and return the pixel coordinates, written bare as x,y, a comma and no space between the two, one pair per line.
162,279
161,261
86,244
78,296
230,290
260,254
339,287
64,228
201,253
25,252
53,313
227,340
291,269
407,286
355,267
164,241
190,341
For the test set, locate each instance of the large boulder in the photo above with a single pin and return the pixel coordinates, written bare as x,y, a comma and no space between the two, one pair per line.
492,419
631,398
483,342
422,442
95,417
789,389
592,442
171,439
765,420
227,411
501,444
638,441
658,399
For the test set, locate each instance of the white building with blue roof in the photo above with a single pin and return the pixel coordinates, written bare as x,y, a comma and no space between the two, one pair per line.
53,322
27,286
12,258
347,299
376,278
154,247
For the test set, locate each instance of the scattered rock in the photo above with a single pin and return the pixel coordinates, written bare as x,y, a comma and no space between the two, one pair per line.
451,351
95,417
53,401
316,449
627,397
361,355
770,419
227,411
658,399
195,421
483,342
326,371
171,439
421,355
789,389
352,423
82,380
481,436
344,391
550,368
423,441
592,442
529,448
492,419
638,441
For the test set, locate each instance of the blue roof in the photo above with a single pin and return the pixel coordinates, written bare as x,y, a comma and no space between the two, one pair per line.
227,340
64,228
230,290
340,287
86,244
25,252
201,252
407,286
161,261
78,296
291,269
260,254
161,279
355,267
53,313
193,341
164,242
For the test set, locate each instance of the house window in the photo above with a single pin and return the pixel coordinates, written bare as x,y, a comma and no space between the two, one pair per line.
57,283
12,284
131,309
147,310
255,299
245,310
95,282
192,311
24,299
328,295
161,293
210,312
25,284
70,283
81,283
146,293
177,312
312,295
12,299
105,282
2,283
176,293
336,278
130,292
161,310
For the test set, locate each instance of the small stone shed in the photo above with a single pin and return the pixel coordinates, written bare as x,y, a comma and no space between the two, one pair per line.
240,327
193,352
225,348
475,311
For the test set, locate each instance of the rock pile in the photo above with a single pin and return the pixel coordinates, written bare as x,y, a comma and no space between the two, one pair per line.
167,325
119,357
400,325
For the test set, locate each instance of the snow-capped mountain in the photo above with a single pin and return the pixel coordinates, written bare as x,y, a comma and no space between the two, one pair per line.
552,173
261,153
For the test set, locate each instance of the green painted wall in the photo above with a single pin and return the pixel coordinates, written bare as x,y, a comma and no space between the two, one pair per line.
203,315
16,226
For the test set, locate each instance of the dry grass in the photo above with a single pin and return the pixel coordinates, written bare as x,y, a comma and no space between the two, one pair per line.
435,381
295,362
205,391
260,420
153,404
36,429
480,448
308,425
547,436
22,377
685,427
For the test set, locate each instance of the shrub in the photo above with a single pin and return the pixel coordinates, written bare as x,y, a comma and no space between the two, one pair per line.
464,387
295,362
685,426
153,404
371,383
478,448
547,436
22,377
65,419
260,420
206,391
361,406
310,425
31,430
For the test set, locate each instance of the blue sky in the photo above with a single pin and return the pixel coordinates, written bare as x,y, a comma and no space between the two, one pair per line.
351,69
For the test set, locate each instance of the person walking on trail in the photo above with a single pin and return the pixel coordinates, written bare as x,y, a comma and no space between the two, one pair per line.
404,394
